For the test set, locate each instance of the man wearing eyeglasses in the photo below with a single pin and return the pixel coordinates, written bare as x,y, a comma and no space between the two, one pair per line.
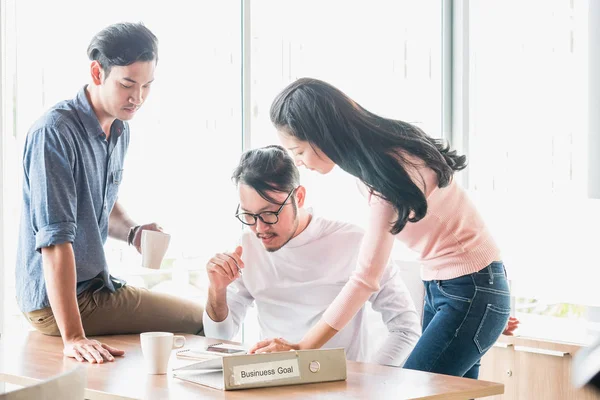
293,263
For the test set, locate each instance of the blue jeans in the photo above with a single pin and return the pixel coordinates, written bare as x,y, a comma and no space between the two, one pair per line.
462,318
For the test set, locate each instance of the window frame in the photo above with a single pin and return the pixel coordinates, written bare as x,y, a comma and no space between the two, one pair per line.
2,161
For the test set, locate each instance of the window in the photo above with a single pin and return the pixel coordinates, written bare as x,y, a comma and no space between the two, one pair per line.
528,148
384,54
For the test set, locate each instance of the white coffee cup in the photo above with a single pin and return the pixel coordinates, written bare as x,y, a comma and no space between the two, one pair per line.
156,348
154,247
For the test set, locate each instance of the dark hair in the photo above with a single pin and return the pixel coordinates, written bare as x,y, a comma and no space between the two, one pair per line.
267,169
365,145
123,44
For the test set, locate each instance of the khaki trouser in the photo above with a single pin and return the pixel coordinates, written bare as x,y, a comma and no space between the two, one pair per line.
128,310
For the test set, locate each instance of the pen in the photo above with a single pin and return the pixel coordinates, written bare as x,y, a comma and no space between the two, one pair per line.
236,264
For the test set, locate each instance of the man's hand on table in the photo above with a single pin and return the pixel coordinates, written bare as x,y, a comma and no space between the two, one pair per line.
84,349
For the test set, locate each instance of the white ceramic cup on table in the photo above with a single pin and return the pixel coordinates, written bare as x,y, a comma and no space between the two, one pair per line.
156,348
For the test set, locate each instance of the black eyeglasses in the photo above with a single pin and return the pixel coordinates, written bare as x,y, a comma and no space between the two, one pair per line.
268,217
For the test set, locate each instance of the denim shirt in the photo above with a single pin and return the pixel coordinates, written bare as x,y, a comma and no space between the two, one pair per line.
71,181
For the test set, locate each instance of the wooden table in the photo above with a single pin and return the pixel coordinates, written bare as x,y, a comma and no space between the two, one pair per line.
27,359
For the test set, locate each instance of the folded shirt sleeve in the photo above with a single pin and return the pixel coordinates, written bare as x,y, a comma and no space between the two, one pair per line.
48,164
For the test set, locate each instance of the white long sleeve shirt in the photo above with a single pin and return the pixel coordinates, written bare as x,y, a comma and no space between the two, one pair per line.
293,287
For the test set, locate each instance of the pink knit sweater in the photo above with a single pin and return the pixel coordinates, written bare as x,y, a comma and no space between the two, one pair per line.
452,240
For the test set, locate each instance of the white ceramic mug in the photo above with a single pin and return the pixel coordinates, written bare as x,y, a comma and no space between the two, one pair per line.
154,247
156,348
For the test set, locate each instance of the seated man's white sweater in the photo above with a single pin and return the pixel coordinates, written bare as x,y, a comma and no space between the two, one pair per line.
293,286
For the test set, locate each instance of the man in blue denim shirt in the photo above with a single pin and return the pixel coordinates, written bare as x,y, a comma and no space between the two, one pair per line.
73,166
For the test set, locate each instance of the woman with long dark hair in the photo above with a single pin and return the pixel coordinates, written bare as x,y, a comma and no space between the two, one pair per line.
408,181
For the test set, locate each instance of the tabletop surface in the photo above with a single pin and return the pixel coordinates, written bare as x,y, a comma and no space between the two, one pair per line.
28,358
